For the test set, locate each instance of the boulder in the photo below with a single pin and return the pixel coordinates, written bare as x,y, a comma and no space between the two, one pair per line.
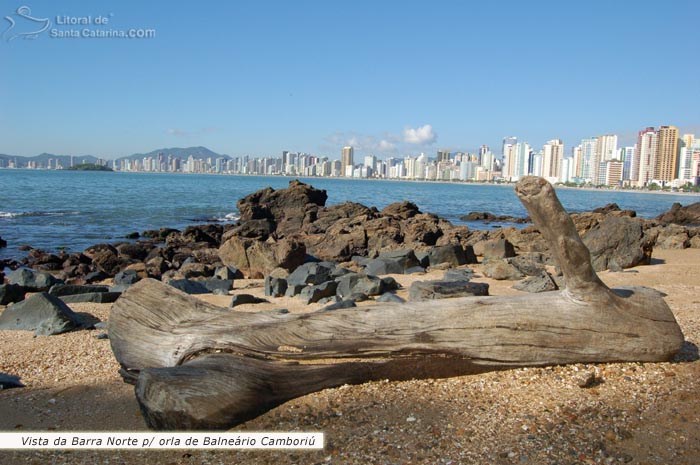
529,263
621,239
9,381
42,313
134,251
339,305
44,261
500,269
60,290
312,294
225,272
159,234
294,289
694,242
311,273
188,286
31,280
390,297
678,214
156,266
343,240
95,297
242,299
96,276
527,239
275,287
496,248
423,229
672,236
401,210
289,208
452,255
221,286
257,258
328,216
126,277
542,282
11,293
353,283
3,243
458,275
106,258
487,217
257,229
193,269
430,290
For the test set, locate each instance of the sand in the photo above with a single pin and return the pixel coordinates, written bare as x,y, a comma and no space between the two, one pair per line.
638,413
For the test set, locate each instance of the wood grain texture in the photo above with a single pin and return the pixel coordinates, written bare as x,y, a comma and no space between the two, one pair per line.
198,366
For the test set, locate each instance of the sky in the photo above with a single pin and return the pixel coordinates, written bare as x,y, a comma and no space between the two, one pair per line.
391,78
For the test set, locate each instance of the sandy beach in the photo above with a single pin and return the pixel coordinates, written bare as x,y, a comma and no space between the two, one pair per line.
637,413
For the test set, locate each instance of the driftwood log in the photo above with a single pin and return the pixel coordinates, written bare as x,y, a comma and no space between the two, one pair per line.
198,366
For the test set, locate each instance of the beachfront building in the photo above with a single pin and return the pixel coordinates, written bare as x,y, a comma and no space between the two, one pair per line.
552,157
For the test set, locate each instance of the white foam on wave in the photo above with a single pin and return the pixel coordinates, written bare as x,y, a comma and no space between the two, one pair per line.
37,213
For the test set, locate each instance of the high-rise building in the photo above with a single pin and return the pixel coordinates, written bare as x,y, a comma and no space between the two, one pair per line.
552,156
508,155
347,162
666,167
443,155
607,147
589,159
647,143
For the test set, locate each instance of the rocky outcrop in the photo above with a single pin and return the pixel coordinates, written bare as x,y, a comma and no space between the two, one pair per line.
3,243
430,290
487,217
618,242
289,208
11,293
32,280
255,258
678,214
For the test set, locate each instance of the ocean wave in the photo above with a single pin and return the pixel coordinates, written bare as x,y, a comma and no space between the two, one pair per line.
227,218
37,213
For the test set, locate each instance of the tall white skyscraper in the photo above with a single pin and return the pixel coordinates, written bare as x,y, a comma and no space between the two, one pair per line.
552,156
347,161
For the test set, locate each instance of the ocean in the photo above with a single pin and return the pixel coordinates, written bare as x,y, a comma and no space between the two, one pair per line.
72,210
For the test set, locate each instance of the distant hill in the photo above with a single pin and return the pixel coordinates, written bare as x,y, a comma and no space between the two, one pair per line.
43,159
184,153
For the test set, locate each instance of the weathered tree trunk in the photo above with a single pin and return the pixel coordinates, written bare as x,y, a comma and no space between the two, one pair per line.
198,366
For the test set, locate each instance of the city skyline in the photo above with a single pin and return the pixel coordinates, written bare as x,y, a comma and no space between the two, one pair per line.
403,78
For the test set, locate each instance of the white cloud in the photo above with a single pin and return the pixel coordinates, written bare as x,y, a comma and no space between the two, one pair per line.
386,146
177,132
423,135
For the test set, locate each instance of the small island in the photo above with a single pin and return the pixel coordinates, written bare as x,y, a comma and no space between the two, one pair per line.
90,167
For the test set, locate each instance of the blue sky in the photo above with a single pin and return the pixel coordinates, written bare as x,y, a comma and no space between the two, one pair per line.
391,77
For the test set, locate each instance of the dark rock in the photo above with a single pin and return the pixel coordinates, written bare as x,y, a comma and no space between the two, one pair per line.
343,240
430,290
529,263
487,217
96,276
388,284
242,299
96,297
134,251
156,266
339,305
188,286
3,243
358,283
257,229
275,287
132,235
289,208
405,258
358,297
44,261
423,228
540,283
458,275
339,271
678,214
621,239
382,266
42,313
401,210
527,239
222,285
499,248
450,254
311,273
196,270
11,293
106,258
672,236
611,207
31,280
328,216
312,294
159,234
500,269
414,270
294,289
225,272
67,289
9,381
390,297
127,277
362,261
423,259
102,336
330,300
